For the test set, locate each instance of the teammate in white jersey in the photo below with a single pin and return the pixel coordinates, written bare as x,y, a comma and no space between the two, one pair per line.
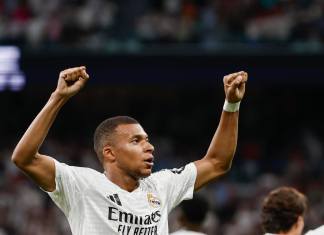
126,198
283,213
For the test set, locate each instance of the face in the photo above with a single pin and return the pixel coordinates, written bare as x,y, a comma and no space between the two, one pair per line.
132,151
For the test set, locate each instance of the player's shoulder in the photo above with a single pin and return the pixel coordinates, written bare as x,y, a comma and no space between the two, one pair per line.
78,170
161,174
86,170
167,174
317,231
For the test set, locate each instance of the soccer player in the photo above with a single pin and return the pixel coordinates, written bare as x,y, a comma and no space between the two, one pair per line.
126,198
283,213
192,215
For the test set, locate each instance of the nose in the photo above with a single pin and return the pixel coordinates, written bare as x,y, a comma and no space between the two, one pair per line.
149,147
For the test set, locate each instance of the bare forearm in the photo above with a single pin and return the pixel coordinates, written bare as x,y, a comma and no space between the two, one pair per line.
31,141
219,156
223,144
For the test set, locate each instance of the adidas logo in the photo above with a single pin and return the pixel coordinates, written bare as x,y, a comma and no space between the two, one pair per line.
115,199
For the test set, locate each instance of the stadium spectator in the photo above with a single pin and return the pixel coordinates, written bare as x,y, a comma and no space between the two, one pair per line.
192,216
121,24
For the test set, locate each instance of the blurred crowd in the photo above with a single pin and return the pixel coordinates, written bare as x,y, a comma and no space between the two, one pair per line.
111,23
280,143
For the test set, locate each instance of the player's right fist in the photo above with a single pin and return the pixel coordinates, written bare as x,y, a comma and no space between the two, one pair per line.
71,81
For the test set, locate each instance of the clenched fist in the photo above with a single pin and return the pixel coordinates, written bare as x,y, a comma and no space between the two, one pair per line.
234,86
71,81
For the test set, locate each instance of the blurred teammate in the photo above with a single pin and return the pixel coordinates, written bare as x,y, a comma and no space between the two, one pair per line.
192,215
126,198
283,213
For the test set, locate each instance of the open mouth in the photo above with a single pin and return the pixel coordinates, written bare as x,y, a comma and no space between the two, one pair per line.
149,161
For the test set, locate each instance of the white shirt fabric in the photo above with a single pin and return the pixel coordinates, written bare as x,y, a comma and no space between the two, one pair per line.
318,231
186,232
94,205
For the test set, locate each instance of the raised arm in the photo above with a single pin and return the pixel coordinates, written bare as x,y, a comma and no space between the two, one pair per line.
40,167
219,156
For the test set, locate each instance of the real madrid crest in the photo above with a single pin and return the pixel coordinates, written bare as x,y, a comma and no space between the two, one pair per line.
153,200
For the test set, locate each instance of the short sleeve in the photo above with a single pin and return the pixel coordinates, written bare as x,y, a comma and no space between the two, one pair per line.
66,192
178,184
318,231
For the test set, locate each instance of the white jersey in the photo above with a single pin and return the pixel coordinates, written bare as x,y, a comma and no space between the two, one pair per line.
318,231
94,205
186,232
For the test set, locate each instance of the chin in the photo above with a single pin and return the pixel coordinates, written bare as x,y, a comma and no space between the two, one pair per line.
146,173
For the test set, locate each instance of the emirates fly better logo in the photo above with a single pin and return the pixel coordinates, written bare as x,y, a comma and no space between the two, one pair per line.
153,200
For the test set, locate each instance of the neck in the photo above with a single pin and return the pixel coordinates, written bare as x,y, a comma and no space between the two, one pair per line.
120,178
288,233
296,228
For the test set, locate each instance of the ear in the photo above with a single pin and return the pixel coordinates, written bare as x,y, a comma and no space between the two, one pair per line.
299,225
300,220
108,153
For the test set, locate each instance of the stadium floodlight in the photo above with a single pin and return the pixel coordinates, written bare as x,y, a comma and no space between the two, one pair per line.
11,77
3,82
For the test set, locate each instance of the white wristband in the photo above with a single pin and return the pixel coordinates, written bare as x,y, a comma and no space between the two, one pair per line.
231,107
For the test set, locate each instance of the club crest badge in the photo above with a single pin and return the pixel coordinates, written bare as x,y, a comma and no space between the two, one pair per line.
153,200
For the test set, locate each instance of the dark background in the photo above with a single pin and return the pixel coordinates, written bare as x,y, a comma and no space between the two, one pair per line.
163,62
178,100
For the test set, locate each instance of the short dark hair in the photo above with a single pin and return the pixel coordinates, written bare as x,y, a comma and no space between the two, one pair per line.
281,209
104,131
195,210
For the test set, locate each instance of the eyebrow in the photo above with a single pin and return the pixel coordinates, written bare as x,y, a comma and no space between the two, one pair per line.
138,136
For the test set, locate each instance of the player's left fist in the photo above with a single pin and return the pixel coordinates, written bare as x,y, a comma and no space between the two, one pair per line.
234,86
